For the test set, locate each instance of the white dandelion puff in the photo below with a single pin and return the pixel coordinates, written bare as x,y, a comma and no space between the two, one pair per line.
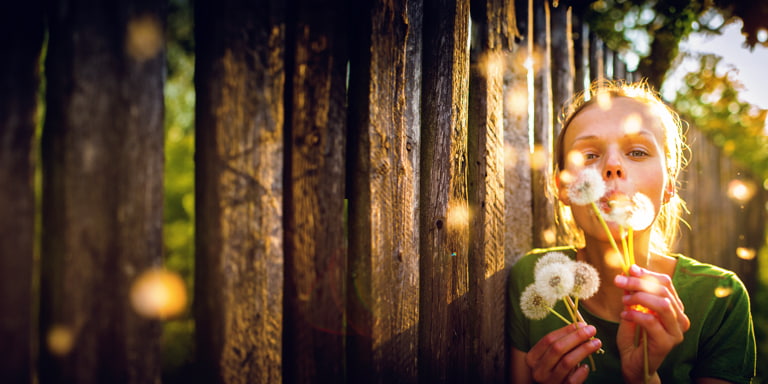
533,304
586,280
554,281
619,210
550,258
588,187
643,212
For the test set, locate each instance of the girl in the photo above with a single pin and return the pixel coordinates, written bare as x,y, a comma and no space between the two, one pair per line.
635,142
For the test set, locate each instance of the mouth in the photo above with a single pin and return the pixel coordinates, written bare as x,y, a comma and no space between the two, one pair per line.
613,198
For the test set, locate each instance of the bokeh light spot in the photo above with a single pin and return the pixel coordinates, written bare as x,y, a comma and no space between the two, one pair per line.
60,340
745,253
723,292
144,38
538,158
159,294
741,190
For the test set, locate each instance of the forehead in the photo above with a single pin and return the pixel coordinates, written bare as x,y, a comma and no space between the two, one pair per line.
615,115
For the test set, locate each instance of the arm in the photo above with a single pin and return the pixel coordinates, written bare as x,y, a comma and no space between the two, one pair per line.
520,374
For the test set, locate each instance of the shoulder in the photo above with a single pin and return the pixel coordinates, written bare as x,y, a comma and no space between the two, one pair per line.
692,272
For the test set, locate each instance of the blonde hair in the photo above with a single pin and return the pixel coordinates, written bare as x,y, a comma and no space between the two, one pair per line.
666,227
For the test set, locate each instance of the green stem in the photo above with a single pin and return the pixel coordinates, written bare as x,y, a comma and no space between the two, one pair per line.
605,227
559,315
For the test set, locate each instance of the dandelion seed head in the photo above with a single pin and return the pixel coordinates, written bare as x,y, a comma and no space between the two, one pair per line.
554,281
533,304
643,212
619,210
588,187
551,258
586,280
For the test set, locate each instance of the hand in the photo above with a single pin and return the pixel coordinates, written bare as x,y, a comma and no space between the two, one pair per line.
664,324
556,358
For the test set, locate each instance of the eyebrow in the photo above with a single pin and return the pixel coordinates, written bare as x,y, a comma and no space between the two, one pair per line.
632,134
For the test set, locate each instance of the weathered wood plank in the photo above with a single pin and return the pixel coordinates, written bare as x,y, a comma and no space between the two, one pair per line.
23,24
384,154
443,310
596,57
240,76
563,62
544,232
486,190
102,189
315,250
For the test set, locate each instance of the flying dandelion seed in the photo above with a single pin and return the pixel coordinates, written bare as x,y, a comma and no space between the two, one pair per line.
740,190
60,340
159,294
458,215
575,159
723,292
745,253
633,123
549,236
538,158
517,101
603,100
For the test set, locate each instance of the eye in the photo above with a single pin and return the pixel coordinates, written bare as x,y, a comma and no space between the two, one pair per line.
637,153
590,156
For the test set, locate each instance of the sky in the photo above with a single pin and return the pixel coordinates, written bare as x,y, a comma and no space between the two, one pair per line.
752,66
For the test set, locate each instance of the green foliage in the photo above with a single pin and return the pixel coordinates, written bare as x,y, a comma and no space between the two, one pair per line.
178,228
710,101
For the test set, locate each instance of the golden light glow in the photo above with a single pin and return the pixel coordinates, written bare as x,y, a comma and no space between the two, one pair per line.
458,215
144,38
603,100
510,156
575,160
549,236
745,253
517,100
60,340
159,294
741,190
723,291
633,123
538,158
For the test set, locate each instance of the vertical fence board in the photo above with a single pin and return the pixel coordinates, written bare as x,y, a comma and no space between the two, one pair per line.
563,62
718,224
239,152
543,209
596,57
316,256
486,191
19,82
580,31
444,233
384,257
102,196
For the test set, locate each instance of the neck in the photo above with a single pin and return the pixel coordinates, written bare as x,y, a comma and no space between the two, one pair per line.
600,254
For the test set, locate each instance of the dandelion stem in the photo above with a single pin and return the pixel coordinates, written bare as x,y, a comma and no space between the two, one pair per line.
556,313
631,246
605,227
624,246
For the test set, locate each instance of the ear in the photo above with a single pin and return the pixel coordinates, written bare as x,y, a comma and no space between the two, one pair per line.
669,192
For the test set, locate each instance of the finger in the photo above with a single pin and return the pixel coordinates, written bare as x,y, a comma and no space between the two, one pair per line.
579,375
542,346
671,316
661,278
562,354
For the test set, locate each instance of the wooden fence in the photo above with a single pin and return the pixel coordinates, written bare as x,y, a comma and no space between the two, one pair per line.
364,179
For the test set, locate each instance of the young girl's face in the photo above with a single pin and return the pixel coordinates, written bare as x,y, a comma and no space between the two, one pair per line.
624,141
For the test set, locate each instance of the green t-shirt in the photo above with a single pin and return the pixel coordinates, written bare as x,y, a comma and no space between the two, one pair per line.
719,344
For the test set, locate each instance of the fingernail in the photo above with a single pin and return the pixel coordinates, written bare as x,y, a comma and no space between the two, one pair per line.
620,279
634,268
591,330
596,343
625,298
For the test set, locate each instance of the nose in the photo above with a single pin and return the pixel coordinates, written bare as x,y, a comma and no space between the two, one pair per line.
613,168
